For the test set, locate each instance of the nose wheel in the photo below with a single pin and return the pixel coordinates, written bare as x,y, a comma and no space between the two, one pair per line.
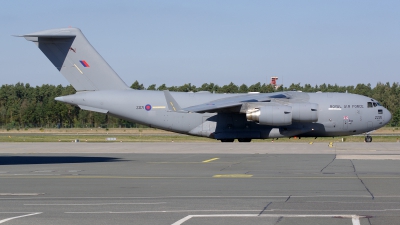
368,138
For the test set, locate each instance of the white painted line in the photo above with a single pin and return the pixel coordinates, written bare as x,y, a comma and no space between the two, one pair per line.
165,211
228,210
11,218
215,196
33,174
355,218
20,194
13,212
184,219
333,210
88,204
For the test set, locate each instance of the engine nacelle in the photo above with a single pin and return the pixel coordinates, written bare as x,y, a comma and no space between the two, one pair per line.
271,115
304,112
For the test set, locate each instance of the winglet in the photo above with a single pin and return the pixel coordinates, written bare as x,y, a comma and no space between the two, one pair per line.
172,104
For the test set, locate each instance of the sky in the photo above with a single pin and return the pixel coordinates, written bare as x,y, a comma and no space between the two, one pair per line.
200,41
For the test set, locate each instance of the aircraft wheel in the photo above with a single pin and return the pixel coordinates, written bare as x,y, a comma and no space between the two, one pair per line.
244,139
368,139
227,140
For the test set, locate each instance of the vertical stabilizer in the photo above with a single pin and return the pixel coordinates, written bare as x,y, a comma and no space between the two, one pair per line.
76,59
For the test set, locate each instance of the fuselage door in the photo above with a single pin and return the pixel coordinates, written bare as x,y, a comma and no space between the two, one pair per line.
369,125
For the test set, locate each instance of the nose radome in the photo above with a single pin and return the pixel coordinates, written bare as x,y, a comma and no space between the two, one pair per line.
389,116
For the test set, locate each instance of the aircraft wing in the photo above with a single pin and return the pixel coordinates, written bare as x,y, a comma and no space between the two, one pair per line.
232,103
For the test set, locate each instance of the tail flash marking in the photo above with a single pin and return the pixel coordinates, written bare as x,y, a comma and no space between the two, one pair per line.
67,48
80,71
172,104
84,63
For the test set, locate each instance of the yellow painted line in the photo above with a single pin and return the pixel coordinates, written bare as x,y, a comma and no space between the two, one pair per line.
80,71
209,160
204,177
232,176
158,107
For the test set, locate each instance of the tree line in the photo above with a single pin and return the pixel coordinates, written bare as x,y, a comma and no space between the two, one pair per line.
24,106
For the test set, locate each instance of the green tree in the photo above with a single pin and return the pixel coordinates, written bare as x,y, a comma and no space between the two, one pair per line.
137,86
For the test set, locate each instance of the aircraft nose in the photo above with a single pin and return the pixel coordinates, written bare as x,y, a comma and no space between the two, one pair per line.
388,116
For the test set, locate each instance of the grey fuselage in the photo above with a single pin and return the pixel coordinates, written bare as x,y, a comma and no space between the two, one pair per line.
221,116
339,114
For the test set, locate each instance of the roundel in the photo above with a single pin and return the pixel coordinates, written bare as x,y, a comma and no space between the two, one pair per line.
147,107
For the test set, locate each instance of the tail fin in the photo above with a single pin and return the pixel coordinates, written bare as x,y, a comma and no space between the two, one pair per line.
76,59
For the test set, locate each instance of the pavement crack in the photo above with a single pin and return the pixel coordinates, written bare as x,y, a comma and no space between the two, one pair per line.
362,182
279,220
264,208
230,166
354,167
288,198
329,163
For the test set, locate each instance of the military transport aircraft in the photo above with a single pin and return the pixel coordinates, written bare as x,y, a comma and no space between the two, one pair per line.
224,117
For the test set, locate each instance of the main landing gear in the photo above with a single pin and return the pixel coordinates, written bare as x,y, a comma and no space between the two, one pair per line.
244,139
228,140
368,138
240,140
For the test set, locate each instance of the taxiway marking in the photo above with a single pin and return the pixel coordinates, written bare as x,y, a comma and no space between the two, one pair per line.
21,194
94,204
11,176
354,218
16,217
210,160
232,176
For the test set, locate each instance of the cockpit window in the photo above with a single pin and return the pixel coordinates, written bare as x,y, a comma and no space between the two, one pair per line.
369,104
378,104
375,105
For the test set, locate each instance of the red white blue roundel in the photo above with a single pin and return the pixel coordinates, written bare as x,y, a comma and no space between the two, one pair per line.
147,107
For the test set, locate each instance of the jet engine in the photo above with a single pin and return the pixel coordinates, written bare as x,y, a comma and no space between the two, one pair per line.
271,115
304,112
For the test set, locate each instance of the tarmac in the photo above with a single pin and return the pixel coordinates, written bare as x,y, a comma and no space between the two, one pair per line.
200,183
